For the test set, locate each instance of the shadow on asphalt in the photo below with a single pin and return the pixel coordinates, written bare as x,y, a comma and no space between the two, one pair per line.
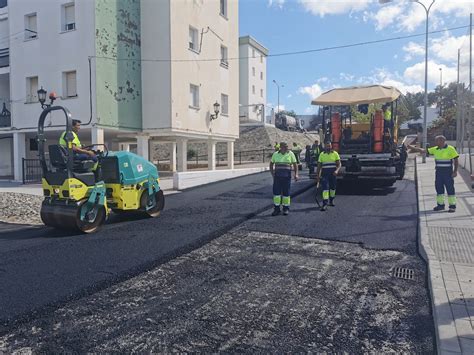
363,189
10,231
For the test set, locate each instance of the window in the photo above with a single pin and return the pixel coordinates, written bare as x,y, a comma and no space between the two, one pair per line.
69,84
33,145
261,92
31,28
224,61
194,96
32,89
223,8
253,89
261,58
253,53
193,39
253,71
261,75
68,17
224,104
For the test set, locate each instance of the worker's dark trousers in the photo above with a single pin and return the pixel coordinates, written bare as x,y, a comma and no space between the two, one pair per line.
328,185
281,191
444,179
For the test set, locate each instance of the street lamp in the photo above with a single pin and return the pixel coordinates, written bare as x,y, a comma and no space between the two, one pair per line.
216,111
42,97
425,128
278,86
440,89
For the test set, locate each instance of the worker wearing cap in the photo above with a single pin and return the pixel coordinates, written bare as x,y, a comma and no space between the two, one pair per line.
446,159
329,164
281,165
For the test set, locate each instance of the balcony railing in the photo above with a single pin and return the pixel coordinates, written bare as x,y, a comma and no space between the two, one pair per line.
4,57
5,117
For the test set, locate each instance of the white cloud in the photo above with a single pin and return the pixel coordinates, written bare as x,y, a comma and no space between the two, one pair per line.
289,96
312,91
278,3
279,108
413,49
446,47
416,73
346,77
386,16
324,79
333,7
384,77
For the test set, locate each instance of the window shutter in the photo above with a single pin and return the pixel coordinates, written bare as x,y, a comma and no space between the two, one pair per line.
71,88
34,88
70,17
32,23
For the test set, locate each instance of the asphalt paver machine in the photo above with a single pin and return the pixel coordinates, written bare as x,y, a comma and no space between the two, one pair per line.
369,149
79,195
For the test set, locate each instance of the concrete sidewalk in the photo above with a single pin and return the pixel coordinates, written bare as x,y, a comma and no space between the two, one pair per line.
447,244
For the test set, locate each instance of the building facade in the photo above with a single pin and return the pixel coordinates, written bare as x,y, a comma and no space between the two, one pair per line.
133,71
253,80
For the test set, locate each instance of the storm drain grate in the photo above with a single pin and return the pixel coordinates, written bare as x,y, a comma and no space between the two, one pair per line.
403,273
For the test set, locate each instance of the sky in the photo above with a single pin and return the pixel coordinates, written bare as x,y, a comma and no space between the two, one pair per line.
295,25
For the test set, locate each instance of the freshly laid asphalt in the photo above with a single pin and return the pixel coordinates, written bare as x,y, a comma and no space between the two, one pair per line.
41,269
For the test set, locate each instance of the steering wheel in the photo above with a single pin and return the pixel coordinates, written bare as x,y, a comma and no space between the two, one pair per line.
106,150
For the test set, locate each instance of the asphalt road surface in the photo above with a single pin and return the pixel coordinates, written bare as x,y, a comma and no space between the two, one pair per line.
309,281
42,267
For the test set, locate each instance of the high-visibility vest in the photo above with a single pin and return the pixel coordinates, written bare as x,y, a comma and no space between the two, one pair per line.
75,140
444,157
283,163
387,115
328,161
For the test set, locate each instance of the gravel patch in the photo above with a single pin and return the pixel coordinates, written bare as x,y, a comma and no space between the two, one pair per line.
20,208
247,292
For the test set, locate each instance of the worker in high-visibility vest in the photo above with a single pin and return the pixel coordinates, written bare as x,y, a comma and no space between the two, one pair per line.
79,152
446,160
276,147
281,166
387,117
329,164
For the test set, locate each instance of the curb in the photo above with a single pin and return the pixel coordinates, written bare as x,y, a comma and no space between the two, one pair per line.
435,282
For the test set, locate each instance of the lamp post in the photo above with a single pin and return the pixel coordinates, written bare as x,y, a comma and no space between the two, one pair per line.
440,90
425,128
278,87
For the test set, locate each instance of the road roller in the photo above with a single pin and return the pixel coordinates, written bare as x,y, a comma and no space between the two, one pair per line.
79,195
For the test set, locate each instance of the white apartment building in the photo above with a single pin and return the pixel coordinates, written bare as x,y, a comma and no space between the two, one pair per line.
253,80
133,71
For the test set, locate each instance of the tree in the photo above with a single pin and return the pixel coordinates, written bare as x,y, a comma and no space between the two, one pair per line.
287,113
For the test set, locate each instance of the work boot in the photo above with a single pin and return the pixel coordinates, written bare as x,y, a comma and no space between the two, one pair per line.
286,210
276,211
331,202
439,208
324,208
452,209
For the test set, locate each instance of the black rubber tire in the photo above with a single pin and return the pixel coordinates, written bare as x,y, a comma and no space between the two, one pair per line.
90,227
160,203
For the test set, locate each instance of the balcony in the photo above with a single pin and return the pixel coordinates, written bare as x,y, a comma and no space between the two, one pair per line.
5,117
4,57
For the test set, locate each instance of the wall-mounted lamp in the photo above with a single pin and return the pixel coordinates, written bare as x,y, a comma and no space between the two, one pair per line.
216,111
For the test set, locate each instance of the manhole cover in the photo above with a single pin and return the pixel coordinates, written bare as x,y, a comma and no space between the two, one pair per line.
403,273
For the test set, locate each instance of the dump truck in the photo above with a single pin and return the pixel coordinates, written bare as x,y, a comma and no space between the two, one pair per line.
368,149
